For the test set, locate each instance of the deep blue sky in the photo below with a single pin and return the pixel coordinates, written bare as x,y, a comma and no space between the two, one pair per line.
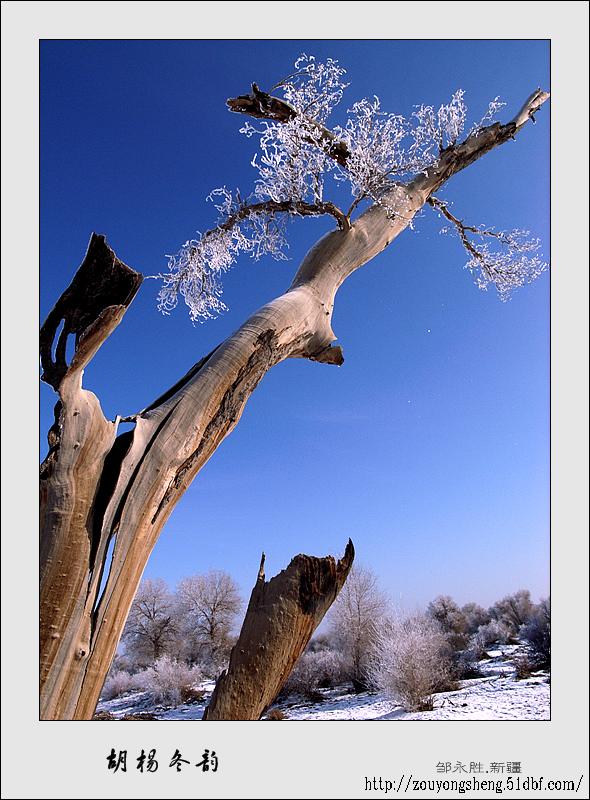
430,446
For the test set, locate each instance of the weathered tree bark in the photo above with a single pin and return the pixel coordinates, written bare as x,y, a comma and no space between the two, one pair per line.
75,474
281,618
97,486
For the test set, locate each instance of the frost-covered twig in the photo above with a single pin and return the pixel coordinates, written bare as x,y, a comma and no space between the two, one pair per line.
494,106
506,268
438,129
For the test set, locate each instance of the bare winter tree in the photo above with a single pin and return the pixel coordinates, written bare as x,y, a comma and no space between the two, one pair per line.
513,610
451,619
475,617
209,604
537,633
153,622
356,619
99,485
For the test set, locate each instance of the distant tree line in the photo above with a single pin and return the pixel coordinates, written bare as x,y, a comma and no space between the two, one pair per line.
173,640
412,656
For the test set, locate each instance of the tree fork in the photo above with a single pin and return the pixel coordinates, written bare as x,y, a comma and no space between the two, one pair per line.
282,615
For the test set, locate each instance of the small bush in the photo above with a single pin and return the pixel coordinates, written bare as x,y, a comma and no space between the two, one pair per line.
475,617
276,714
513,611
494,632
168,681
188,694
523,665
104,716
537,634
466,665
212,666
320,669
412,662
121,661
452,621
320,642
478,644
116,684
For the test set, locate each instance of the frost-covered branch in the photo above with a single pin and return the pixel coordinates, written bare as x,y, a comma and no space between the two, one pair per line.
507,266
374,140
372,150
300,159
256,229
296,207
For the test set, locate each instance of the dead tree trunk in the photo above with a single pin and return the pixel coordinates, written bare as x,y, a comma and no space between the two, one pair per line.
98,485
281,618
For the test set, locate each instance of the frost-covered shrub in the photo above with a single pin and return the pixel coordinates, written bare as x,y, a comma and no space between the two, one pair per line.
475,617
494,632
213,664
275,714
122,661
412,661
168,681
466,664
514,610
523,665
315,670
321,642
537,634
117,683
478,644
444,610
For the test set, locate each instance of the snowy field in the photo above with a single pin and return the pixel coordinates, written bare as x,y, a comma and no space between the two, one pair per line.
495,695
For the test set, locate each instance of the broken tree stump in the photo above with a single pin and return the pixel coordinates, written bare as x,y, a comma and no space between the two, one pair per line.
281,618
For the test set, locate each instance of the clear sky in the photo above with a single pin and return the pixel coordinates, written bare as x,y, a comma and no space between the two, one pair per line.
429,447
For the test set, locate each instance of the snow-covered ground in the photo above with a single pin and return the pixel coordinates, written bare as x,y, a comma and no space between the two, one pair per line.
139,703
496,695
